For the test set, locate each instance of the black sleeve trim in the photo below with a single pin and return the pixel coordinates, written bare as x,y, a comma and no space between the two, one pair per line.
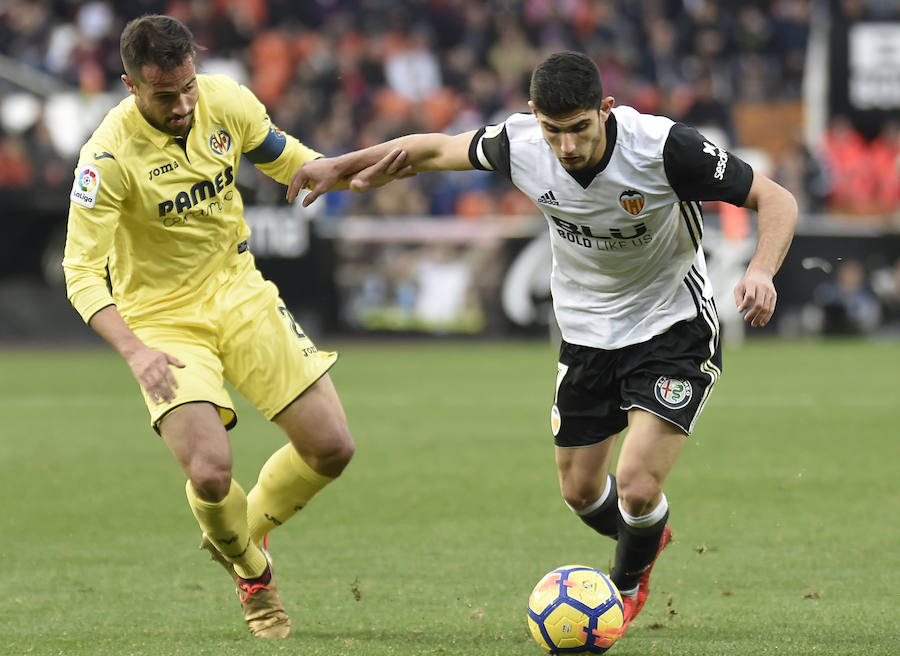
473,151
699,170
494,149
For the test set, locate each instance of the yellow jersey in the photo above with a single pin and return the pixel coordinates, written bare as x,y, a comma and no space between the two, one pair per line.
163,214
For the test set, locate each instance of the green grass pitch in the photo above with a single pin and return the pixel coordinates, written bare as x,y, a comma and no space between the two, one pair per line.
785,507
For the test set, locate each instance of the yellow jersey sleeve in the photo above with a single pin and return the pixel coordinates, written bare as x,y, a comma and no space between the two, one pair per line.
93,218
272,151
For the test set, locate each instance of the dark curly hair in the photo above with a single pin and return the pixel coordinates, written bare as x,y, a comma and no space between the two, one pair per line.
566,82
155,40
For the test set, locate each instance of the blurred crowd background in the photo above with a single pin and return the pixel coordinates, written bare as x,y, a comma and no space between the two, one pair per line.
342,74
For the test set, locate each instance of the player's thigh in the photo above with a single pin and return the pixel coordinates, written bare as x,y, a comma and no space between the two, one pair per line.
267,355
200,380
316,424
196,437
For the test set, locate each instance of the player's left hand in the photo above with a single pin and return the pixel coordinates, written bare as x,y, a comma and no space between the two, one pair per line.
755,297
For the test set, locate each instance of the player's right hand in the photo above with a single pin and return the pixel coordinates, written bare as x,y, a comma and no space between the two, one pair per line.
318,176
153,370
755,297
391,167
327,173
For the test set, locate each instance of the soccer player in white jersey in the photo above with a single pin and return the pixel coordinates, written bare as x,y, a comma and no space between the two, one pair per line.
621,192
154,203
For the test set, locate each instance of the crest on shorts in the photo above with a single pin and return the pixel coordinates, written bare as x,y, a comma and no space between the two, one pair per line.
220,142
555,420
632,201
673,392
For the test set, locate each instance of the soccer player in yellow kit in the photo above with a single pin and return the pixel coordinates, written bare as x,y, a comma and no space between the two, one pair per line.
155,204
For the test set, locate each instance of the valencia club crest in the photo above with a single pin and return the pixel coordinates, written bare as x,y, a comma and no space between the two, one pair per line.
632,201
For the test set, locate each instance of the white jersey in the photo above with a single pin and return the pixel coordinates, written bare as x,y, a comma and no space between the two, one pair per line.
625,236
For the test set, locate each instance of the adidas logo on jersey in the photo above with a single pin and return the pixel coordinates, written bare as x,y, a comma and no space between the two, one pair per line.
548,198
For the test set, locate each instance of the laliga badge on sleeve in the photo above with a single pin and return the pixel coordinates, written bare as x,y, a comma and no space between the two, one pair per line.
86,186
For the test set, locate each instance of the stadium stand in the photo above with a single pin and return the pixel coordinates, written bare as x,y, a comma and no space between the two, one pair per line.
341,74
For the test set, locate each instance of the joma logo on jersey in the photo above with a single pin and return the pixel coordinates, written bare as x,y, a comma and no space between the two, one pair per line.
162,170
199,192
614,233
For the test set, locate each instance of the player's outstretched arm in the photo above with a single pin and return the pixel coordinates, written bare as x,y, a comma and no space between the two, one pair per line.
377,165
329,173
776,208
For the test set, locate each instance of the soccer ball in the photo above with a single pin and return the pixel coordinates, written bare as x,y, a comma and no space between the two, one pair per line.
575,610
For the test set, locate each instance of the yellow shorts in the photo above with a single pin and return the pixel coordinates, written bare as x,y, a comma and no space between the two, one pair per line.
238,330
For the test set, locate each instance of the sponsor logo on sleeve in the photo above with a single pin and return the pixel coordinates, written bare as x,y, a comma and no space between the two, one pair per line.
86,186
715,151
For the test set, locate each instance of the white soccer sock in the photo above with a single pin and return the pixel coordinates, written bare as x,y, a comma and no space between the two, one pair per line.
648,520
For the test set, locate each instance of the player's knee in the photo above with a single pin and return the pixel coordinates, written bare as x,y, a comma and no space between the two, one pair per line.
343,450
576,502
210,482
330,456
639,494
579,494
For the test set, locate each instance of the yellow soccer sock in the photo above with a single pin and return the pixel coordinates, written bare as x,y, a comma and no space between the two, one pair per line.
225,524
286,484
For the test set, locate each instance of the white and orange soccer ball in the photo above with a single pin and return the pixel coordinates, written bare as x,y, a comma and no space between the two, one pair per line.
575,610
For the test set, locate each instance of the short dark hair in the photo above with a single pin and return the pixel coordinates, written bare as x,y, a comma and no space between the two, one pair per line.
155,40
566,82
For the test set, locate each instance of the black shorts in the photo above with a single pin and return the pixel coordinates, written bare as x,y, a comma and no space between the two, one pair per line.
670,375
